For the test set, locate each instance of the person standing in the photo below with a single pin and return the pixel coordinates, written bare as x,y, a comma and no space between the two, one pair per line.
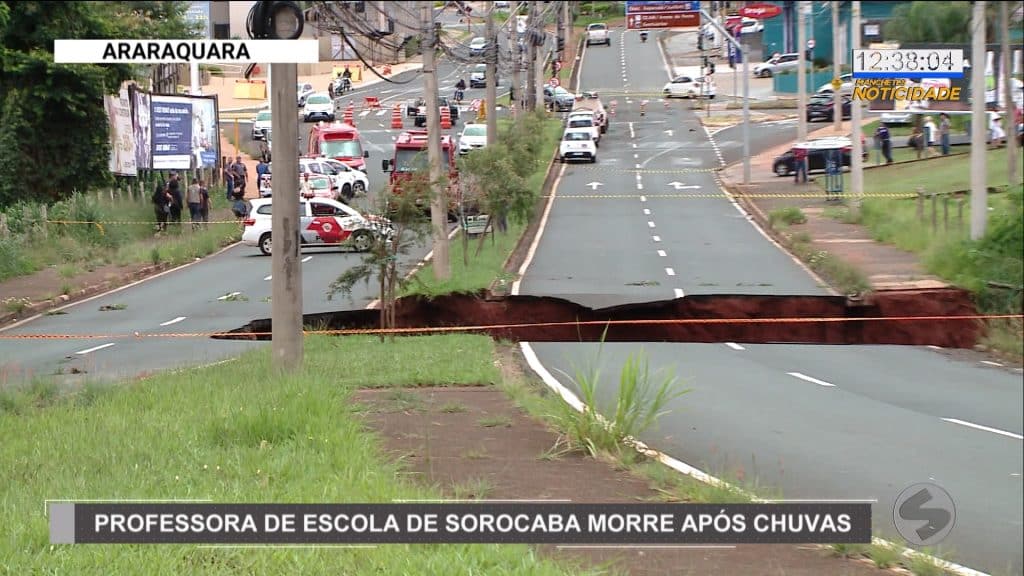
204,204
177,203
229,183
161,205
929,135
883,137
241,174
944,133
194,199
800,161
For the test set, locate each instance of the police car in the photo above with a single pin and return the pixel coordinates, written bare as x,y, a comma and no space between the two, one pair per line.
322,223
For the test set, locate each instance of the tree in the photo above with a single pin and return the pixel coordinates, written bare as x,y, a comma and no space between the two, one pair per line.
939,22
55,126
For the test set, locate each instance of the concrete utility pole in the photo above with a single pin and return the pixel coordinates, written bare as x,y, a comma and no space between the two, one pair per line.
438,198
801,71
531,55
286,268
1010,118
538,74
979,124
195,83
517,59
857,152
492,77
837,99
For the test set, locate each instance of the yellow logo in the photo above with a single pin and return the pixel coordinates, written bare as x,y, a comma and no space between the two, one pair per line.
899,89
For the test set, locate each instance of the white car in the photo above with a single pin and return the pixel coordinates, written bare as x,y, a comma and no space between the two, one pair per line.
478,77
347,181
686,86
597,33
845,88
318,106
577,144
322,223
261,125
359,180
477,46
304,90
751,26
777,64
473,137
585,120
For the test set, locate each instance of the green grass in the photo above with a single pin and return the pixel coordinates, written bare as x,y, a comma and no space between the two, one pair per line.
786,217
883,556
942,174
230,433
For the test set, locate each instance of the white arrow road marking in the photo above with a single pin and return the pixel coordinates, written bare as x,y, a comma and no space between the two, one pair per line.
811,380
594,185
985,428
681,186
269,277
95,348
231,295
734,346
175,321
307,259
679,293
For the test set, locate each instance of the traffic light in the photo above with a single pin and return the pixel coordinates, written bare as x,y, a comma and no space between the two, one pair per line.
275,21
561,44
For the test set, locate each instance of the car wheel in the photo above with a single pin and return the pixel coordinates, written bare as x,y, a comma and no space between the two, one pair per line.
266,244
362,240
766,74
360,188
593,159
781,169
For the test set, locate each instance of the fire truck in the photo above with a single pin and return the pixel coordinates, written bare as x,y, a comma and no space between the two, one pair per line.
339,141
411,155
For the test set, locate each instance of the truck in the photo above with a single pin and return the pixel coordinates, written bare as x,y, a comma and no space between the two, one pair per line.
411,156
339,141
597,33
591,102
420,120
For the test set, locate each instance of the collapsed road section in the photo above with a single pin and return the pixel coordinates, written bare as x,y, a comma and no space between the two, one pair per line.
942,317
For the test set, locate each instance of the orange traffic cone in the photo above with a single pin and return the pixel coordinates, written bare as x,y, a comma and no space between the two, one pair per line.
446,118
349,117
396,117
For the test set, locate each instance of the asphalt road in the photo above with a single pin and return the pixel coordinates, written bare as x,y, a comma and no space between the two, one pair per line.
811,422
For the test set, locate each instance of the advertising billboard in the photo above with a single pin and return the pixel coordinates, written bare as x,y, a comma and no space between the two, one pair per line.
171,118
198,14
205,132
122,138
142,129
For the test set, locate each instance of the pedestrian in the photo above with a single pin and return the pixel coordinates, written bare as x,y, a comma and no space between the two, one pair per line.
929,135
917,141
194,198
177,202
229,183
204,204
161,205
996,133
944,133
883,137
800,161
241,174
261,169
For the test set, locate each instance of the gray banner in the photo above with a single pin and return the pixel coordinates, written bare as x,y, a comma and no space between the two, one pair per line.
62,523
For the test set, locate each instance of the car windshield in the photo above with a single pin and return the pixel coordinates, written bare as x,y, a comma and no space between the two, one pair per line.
413,160
341,148
480,68
580,123
820,99
475,131
562,92
319,183
576,136
263,117
318,100
598,27
477,42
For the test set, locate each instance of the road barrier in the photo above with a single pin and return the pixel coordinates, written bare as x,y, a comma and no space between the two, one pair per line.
446,118
521,326
371,103
349,117
396,117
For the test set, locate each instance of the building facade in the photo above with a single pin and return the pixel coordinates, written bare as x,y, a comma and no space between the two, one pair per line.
780,33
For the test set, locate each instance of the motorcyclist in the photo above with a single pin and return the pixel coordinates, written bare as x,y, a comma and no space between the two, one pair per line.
643,35
460,90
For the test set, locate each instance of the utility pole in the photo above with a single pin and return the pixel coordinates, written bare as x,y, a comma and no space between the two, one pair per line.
438,197
195,84
538,74
1010,118
837,99
516,91
801,71
531,54
979,194
492,77
857,152
286,269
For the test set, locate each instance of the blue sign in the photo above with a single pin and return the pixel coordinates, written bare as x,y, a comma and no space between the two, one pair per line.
651,6
171,117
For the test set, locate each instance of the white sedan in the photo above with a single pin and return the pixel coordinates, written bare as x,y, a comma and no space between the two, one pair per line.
578,144
322,223
686,86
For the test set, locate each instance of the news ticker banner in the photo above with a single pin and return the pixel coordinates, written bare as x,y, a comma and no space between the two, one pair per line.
459,523
186,51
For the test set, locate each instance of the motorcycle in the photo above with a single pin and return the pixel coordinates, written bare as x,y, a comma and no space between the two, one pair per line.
340,86
643,36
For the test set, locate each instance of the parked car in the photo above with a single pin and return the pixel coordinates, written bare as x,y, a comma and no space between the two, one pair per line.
785,164
687,86
473,137
751,26
585,119
348,183
562,99
777,64
322,223
597,33
845,88
578,144
820,107
261,124
891,118
304,90
318,107
477,46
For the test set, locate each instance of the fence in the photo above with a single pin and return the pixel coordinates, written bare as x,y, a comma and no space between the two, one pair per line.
932,199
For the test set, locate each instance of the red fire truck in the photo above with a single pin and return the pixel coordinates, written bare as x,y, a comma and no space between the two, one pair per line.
411,155
339,141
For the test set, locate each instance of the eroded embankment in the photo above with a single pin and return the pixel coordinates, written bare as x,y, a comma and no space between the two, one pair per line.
912,317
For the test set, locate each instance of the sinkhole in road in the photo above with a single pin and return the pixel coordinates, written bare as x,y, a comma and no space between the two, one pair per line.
906,317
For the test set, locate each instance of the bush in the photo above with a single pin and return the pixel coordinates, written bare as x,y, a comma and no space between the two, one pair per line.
786,216
12,261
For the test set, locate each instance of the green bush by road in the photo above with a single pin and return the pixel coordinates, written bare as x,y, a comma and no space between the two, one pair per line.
233,433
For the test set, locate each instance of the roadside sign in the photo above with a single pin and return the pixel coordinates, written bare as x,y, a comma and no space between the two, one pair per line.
810,44
553,83
650,6
760,11
647,14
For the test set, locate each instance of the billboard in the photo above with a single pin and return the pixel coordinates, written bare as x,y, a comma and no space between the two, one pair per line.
644,14
205,132
142,129
198,14
122,138
171,118
993,82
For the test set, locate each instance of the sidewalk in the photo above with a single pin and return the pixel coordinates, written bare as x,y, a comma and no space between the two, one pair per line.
682,52
885,267
224,87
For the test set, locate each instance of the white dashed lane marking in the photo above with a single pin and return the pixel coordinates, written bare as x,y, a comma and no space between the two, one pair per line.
734,346
662,253
647,212
670,272
985,428
231,295
650,224
307,259
95,348
679,293
175,321
807,378
656,238
271,277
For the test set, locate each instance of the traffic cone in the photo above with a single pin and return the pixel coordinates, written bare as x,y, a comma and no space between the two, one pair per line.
396,117
446,118
481,113
350,113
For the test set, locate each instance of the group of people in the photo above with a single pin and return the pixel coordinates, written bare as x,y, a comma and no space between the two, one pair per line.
236,180
922,139
169,202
